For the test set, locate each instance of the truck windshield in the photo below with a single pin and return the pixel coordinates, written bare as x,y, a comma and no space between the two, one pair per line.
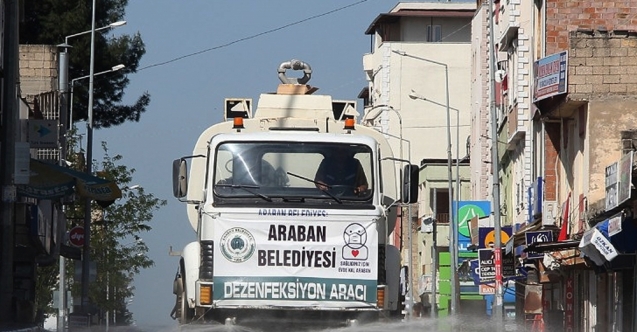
293,170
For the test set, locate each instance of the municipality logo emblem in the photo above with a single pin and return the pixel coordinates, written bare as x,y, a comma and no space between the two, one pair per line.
237,245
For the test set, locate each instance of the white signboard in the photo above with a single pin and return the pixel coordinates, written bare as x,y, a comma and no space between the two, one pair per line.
425,284
550,76
292,257
625,177
588,249
603,245
615,225
611,186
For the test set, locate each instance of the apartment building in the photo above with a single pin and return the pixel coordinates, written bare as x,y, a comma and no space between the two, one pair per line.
418,94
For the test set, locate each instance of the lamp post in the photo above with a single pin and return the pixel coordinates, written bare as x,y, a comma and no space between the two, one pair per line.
110,26
414,95
367,117
64,67
454,250
86,257
453,229
66,121
114,68
498,306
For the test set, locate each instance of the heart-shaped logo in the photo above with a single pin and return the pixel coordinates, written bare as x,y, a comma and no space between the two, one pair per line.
355,253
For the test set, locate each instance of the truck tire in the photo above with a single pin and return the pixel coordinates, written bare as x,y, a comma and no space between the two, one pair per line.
184,313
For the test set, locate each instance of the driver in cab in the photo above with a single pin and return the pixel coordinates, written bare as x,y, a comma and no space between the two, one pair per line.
341,169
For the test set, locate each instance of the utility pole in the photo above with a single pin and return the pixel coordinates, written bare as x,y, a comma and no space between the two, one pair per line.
495,167
434,259
10,81
63,81
86,249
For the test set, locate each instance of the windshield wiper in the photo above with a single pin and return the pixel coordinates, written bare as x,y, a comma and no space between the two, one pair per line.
318,186
245,187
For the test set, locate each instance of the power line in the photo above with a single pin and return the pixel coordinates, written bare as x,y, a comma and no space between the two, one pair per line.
253,36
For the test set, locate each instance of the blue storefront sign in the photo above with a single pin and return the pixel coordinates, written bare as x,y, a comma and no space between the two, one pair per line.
535,237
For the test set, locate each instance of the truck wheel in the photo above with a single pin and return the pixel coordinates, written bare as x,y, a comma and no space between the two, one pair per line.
184,313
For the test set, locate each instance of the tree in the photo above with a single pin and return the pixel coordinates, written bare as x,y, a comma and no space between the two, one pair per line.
118,249
116,244
50,21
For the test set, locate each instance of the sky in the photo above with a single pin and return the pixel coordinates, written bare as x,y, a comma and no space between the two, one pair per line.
199,52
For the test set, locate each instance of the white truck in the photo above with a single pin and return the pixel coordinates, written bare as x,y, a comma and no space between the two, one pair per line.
272,244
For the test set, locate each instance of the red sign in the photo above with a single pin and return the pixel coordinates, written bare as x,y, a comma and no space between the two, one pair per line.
76,236
570,311
498,265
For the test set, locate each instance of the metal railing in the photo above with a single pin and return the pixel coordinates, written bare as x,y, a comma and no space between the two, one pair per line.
442,218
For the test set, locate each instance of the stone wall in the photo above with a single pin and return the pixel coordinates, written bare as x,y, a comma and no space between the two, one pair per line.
603,72
566,16
38,70
602,63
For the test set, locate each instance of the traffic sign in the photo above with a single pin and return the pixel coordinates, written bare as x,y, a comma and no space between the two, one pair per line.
76,236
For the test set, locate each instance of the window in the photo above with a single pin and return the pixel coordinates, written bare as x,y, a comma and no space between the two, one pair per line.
434,33
289,170
441,207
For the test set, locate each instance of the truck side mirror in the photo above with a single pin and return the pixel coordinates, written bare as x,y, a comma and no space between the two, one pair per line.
180,178
410,184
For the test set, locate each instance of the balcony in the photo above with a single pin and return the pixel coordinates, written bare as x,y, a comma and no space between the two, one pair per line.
442,218
515,133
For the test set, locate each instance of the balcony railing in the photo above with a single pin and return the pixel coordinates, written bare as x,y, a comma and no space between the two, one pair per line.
442,218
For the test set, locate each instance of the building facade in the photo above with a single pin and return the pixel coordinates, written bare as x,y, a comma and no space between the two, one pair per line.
567,130
561,92
418,94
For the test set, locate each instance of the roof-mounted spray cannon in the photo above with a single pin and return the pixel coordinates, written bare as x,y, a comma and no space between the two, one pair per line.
295,65
295,86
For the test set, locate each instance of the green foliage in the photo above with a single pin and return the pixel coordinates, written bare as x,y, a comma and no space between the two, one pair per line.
117,247
49,22
46,282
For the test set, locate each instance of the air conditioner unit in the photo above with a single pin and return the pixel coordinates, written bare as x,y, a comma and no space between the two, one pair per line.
549,213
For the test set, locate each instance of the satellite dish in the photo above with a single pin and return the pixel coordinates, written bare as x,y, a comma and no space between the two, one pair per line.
499,75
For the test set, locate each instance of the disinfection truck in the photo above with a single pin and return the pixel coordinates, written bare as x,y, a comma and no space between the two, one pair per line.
273,243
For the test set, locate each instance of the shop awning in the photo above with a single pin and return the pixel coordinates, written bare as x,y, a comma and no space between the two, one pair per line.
50,181
541,247
621,232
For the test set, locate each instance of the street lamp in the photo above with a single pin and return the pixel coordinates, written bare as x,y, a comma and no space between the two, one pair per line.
413,95
64,85
86,257
370,115
64,64
453,229
114,68
377,110
110,26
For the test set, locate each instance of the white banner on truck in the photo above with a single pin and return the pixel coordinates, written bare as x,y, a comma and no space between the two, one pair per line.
289,259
